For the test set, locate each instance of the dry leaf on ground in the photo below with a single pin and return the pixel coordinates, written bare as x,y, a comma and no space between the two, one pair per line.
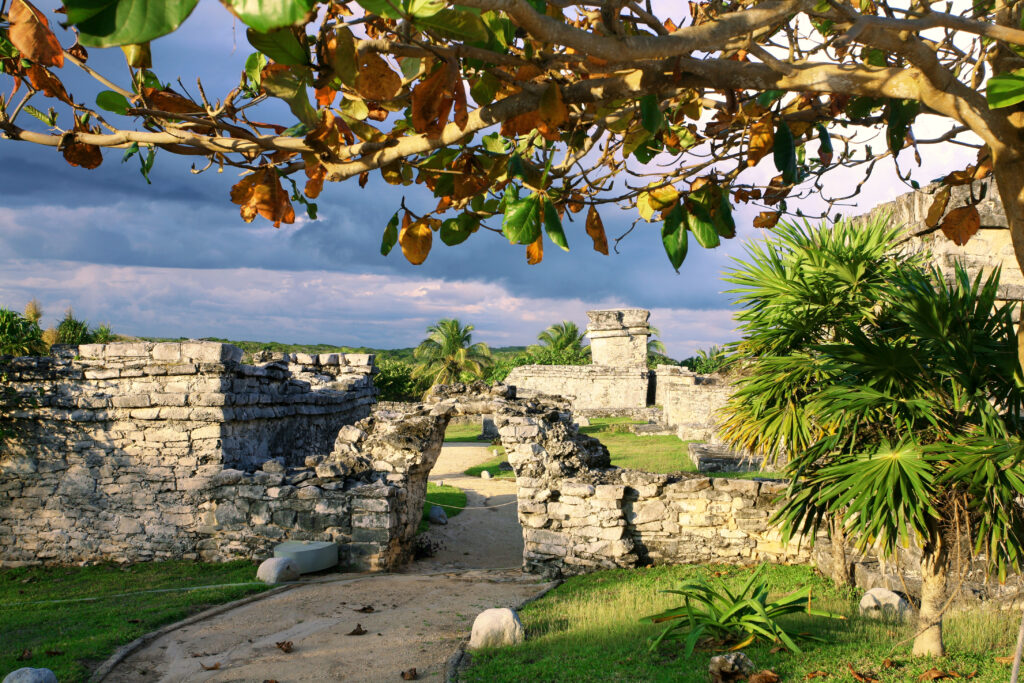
862,677
284,646
817,674
765,676
212,667
409,675
357,631
934,674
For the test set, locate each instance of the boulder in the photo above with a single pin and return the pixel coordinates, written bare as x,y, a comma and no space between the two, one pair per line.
437,515
731,667
30,675
496,628
278,569
485,475
505,466
880,603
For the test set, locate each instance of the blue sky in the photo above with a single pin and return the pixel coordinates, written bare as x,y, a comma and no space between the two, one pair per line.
175,259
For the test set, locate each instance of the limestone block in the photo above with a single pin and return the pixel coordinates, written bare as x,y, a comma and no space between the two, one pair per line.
498,627
278,570
610,491
740,486
306,359
879,603
577,490
92,350
30,675
167,352
648,512
210,352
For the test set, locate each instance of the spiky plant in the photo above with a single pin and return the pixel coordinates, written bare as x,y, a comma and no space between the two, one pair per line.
563,336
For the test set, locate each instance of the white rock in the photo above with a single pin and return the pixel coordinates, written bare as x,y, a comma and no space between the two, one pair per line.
729,667
882,602
496,628
30,675
437,515
485,475
278,569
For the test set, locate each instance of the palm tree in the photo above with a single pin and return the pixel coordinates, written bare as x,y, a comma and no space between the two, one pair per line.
563,336
448,352
655,345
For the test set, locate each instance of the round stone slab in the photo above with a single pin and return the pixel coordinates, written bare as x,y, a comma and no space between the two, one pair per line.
311,556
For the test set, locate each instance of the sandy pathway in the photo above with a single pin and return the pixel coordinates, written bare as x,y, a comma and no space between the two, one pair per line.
418,616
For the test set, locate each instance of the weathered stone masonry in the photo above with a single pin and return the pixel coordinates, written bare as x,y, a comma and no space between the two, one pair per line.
122,455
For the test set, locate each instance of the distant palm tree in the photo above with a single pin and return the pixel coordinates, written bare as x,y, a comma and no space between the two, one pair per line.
655,345
563,336
448,352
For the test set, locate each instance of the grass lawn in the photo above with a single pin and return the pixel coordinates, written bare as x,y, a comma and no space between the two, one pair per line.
450,498
588,629
463,433
71,638
492,466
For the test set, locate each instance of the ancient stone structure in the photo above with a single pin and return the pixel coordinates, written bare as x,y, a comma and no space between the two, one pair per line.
122,451
990,248
617,379
618,337
690,401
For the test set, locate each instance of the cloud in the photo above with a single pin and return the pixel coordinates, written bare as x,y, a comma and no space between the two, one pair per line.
313,306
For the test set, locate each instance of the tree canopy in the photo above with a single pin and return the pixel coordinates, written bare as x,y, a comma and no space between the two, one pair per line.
518,114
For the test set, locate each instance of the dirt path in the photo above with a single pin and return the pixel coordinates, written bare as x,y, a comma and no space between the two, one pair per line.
418,616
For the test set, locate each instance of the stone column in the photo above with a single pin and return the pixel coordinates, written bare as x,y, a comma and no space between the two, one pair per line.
618,337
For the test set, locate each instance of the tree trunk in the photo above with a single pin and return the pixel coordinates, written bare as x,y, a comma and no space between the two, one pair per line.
840,569
934,568
1009,177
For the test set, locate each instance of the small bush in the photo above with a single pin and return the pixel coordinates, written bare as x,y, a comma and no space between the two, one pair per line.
19,336
72,330
395,381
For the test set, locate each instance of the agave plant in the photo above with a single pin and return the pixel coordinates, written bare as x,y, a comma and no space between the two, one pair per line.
711,610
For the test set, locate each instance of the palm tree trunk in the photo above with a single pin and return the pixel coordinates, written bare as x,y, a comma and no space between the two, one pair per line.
934,569
840,569
1015,672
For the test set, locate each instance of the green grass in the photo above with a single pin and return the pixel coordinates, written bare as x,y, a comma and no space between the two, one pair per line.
450,498
492,466
466,433
72,637
591,624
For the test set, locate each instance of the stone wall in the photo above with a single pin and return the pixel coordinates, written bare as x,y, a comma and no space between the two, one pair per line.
587,387
618,337
991,247
691,401
123,446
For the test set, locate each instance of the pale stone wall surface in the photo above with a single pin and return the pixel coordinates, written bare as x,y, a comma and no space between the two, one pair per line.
691,401
587,387
618,337
125,451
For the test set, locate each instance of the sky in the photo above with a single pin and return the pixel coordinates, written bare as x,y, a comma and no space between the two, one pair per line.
174,259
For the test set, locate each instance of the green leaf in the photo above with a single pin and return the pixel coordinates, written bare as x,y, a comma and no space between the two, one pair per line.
674,236
421,9
824,139
343,61
1005,90
265,15
522,220
485,88
390,236
901,113
7,48
700,223
455,25
553,225
860,107
254,64
281,45
410,66
494,143
515,166
113,101
768,96
651,117
784,153
457,230
104,23
382,8
290,86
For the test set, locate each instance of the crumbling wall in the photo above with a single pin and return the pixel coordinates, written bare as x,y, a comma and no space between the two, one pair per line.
691,401
587,387
118,447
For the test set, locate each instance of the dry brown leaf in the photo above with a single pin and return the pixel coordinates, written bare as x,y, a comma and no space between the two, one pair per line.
325,95
1004,660
575,202
937,208
461,108
528,72
535,251
369,608
410,675
359,630
817,674
315,185
552,109
79,153
30,32
170,101
888,663
284,646
595,228
984,168
41,79
961,224
765,676
934,674
79,52
25,654
863,678
776,191
767,219
211,667
376,80
432,101
415,238
260,193
762,138
470,182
